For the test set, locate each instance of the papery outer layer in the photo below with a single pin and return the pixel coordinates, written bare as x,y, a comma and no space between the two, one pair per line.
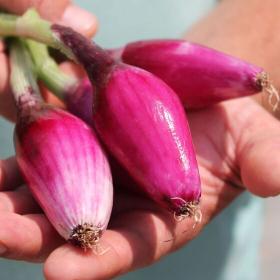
199,75
65,168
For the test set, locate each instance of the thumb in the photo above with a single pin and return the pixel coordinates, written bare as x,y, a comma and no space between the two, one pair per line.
258,152
59,11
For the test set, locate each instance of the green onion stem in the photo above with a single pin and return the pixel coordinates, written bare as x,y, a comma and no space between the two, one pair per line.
31,26
22,79
48,71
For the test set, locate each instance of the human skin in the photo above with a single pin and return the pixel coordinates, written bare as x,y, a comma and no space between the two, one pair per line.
61,11
237,145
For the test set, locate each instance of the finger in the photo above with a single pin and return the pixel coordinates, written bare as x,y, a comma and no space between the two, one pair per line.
126,249
79,19
19,201
2,46
60,11
10,177
29,237
7,106
72,69
257,134
137,239
49,97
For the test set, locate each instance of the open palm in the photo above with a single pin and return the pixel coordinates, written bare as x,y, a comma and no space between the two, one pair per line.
236,144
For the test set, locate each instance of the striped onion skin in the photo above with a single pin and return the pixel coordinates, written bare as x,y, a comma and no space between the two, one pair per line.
67,172
143,124
201,76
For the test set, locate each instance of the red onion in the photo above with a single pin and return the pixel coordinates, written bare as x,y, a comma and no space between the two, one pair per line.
199,75
142,123
61,161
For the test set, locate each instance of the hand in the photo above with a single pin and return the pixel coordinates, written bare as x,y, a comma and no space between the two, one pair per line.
59,11
235,142
233,146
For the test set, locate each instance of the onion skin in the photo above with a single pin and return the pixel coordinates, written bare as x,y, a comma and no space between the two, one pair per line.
142,123
79,100
66,170
199,75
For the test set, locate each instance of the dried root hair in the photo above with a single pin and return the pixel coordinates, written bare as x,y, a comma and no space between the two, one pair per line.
188,210
87,236
267,86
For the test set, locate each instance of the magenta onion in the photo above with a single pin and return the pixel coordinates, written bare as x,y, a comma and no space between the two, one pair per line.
61,161
200,76
143,124
79,100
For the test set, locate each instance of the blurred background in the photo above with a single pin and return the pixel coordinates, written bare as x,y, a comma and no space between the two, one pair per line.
239,243
269,245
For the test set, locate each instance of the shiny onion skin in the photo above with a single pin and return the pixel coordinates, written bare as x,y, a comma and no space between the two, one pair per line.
143,124
201,76
66,170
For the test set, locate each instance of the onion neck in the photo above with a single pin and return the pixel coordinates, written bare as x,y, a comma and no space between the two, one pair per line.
22,79
48,71
30,25
8,24
96,61
116,53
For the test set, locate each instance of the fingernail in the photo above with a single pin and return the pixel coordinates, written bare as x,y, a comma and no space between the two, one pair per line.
79,19
3,249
